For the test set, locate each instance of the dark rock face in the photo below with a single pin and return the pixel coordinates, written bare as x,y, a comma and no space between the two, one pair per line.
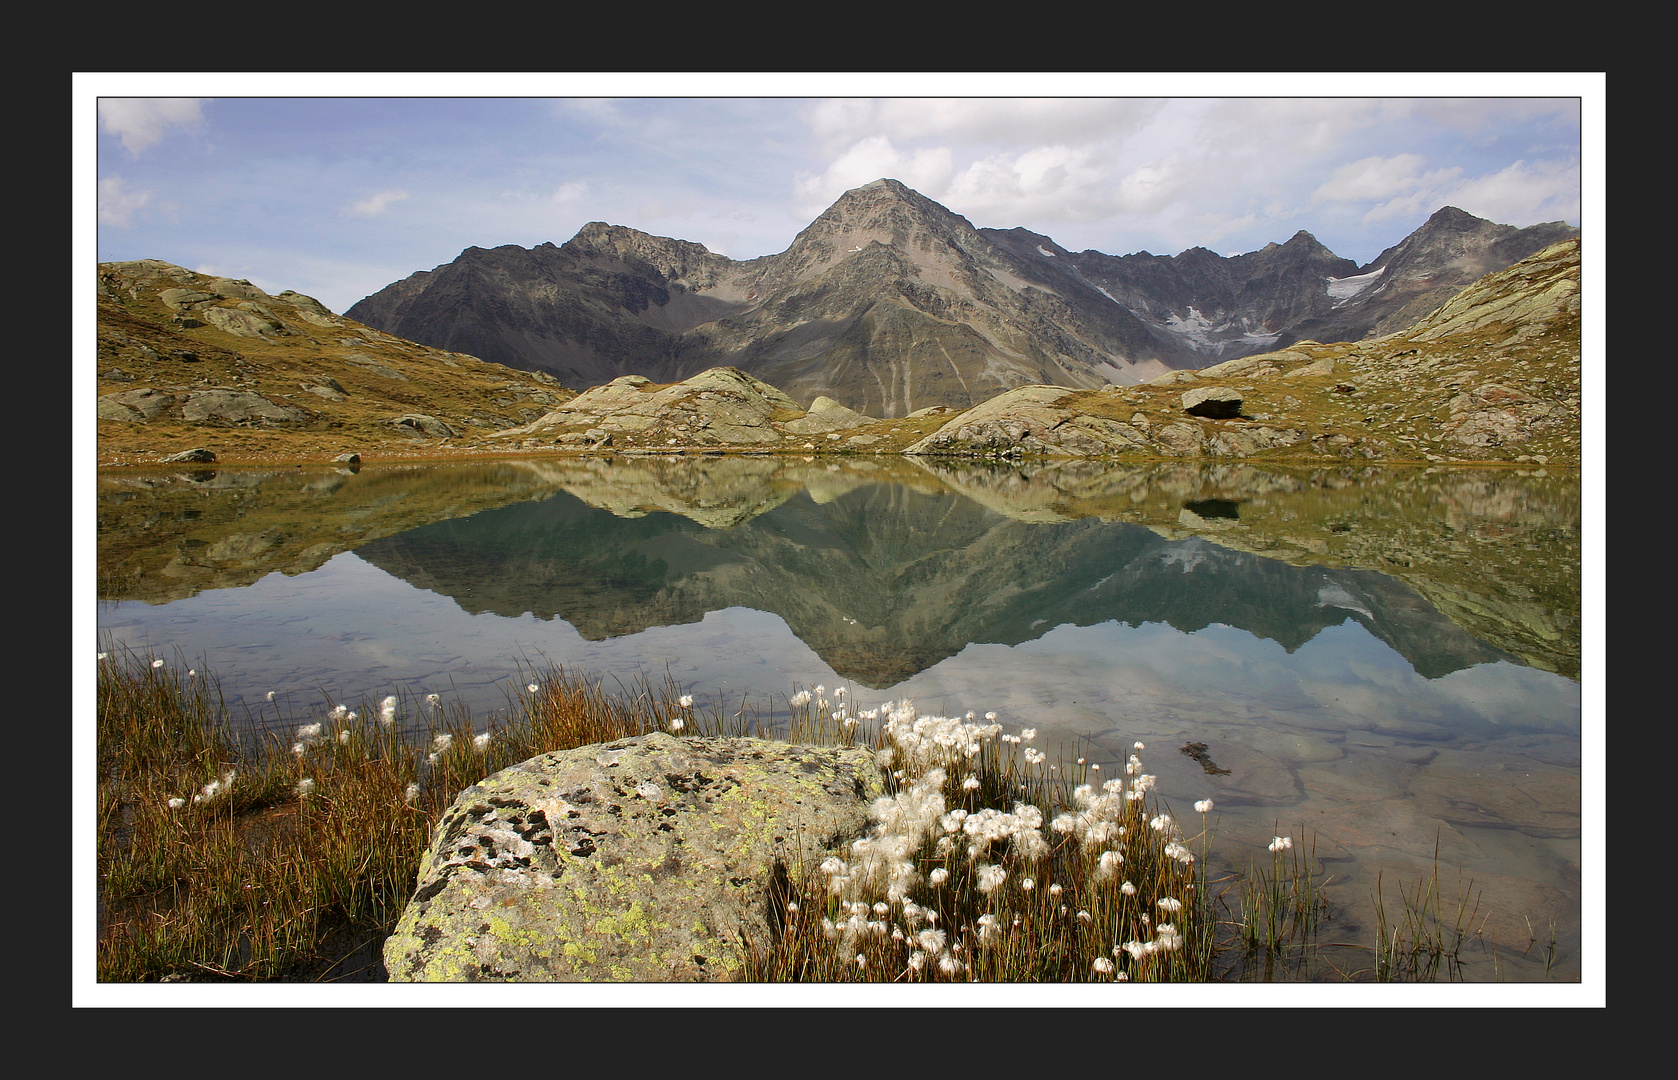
889,303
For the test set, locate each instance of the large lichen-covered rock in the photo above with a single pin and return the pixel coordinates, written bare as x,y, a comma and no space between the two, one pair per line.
719,407
825,415
1213,402
649,859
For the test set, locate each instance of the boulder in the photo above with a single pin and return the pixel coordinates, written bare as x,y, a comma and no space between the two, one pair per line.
648,859
825,415
254,324
718,407
200,455
137,406
421,426
237,407
1213,402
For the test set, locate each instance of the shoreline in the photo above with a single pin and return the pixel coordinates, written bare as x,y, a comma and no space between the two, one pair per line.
107,460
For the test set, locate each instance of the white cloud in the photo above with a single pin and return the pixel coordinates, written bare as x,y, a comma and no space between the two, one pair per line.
377,204
1520,194
842,122
117,204
142,122
570,192
1379,178
1523,194
926,170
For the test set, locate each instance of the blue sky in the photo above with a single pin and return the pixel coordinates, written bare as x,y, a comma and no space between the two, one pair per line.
378,176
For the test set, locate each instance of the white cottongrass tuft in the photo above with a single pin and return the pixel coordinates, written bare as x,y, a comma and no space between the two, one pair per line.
875,875
216,787
1281,843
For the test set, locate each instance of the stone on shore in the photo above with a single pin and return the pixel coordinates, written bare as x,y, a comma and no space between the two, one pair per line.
649,859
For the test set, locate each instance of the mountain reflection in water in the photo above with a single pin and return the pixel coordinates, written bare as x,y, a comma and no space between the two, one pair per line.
1388,657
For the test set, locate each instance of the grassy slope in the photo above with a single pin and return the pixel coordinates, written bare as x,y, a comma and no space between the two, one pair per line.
383,377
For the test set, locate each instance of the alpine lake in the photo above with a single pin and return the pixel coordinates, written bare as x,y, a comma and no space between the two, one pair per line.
1383,664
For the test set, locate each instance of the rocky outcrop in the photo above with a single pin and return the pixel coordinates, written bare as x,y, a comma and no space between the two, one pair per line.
1213,402
723,408
422,426
649,859
825,415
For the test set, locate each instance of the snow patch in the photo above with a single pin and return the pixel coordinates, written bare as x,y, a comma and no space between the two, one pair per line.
1041,250
1344,288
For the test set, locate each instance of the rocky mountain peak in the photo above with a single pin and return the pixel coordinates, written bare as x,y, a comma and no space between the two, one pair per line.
670,259
890,303
1450,217
886,212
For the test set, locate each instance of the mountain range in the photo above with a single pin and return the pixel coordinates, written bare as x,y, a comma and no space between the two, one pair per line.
889,303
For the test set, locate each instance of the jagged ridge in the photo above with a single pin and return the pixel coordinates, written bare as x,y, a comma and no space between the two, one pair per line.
890,303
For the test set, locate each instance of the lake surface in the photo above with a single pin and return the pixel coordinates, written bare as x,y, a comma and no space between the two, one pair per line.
1383,661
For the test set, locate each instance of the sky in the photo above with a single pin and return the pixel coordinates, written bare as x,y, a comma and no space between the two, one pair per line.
375,177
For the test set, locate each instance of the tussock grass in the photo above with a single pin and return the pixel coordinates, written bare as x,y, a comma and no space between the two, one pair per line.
287,851
288,854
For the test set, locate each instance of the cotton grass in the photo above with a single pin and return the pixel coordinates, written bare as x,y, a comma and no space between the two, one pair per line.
984,864
286,850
